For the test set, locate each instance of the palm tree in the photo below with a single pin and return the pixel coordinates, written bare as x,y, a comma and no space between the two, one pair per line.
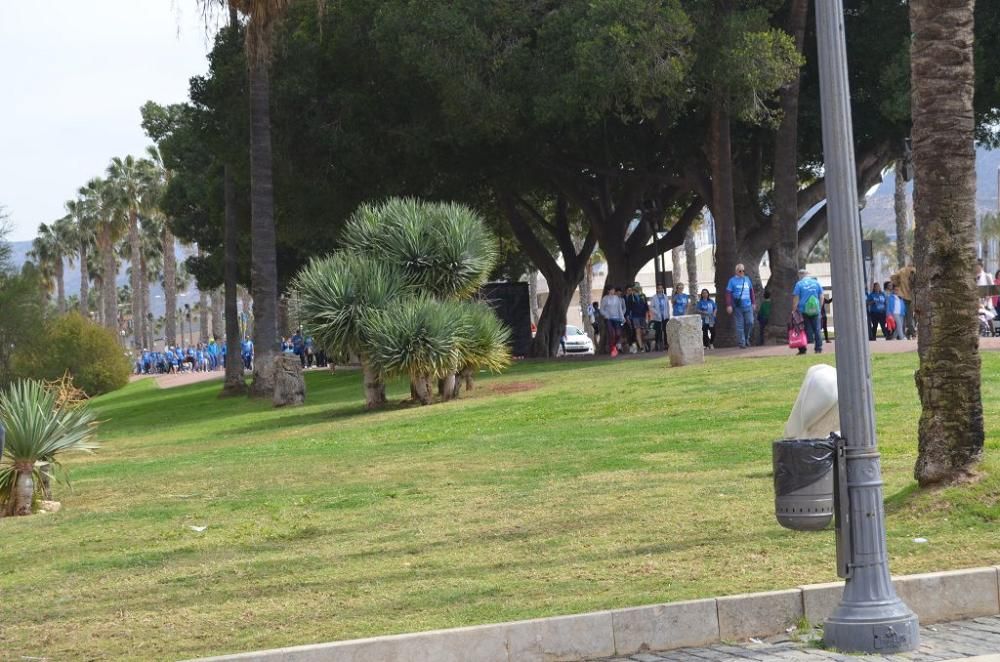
950,430
132,180
109,223
83,233
339,296
161,177
262,18
45,253
901,211
39,429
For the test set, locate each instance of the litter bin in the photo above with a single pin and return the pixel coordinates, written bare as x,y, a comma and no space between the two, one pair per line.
803,483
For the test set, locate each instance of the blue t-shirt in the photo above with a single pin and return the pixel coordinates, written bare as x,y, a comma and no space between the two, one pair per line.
707,308
740,287
876,302
806,288
681,303
896,305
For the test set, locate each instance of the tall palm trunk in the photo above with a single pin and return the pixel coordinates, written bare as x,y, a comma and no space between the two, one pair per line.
264,268
109,276
135,278
84,281
677,264
218,326
899,206
147,324
691,258
169,287
60,285
950,430
99,300
234,383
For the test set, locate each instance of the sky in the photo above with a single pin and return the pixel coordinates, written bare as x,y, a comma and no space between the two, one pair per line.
73,75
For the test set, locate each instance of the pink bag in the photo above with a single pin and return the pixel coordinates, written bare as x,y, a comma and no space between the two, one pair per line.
797,338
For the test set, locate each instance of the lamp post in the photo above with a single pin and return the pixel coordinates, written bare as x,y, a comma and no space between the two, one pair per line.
870,617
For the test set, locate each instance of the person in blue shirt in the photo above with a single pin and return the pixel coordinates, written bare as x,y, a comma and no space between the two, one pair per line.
636,309
659,308
213,354
310,346
298,343
740,300
680,300
246,352
707,309
876,304
807,298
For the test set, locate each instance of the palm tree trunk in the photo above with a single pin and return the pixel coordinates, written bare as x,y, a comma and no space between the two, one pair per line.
135,279
374,386
950,430
676,259
691,259
169,287
533,295
234,384
24,490
147,324
60,285
422,389
263,267
84,281
109,276
899,205
218,326
99,300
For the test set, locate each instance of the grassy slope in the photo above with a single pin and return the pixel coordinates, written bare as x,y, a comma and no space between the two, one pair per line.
610,484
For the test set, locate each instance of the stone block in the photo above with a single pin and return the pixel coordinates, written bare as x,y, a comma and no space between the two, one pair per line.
685,340
579,637
666,626
758,614
951,595
819,601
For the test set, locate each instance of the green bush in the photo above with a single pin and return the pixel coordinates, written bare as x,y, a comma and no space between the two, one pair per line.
91,354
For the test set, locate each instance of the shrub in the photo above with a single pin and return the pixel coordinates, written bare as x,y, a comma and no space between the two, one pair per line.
71,343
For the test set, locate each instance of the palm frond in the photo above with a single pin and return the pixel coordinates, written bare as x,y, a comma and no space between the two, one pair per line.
485,344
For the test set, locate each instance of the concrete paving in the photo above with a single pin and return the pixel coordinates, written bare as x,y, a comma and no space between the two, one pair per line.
977,639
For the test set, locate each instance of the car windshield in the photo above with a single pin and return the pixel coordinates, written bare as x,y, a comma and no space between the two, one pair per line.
573,331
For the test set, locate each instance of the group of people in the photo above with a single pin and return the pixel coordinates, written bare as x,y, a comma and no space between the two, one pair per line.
200,358
206,357
632,322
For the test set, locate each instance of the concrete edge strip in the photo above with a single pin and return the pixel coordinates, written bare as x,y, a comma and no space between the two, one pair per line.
935,597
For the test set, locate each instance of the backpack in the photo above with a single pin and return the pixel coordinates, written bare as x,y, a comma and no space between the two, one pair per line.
812,306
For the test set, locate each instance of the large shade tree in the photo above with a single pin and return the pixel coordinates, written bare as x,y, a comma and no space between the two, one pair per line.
951,430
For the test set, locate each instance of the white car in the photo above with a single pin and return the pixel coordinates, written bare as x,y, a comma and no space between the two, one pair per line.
576,341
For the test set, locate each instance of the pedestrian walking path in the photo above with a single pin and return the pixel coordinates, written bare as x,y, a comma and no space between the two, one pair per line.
976,639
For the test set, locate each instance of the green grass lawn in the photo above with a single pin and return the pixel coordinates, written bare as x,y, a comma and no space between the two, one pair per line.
556,488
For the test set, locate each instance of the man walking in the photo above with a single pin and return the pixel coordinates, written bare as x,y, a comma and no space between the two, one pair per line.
740,301
807,298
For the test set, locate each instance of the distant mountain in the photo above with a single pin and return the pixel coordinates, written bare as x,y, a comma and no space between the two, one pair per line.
72,277
879,212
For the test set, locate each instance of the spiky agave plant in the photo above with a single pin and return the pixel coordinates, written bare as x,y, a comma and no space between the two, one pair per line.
39,430
420,338
444,249
484,345
338,295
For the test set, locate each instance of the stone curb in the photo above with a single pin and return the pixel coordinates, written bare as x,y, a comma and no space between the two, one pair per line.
936,596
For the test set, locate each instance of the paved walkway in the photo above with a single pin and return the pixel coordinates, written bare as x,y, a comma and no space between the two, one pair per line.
960,640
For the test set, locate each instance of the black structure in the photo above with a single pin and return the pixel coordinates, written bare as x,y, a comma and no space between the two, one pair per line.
510,302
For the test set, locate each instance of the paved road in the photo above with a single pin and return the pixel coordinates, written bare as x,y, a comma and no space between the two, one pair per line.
944,641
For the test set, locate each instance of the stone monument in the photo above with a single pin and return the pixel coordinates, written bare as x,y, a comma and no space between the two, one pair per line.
685,341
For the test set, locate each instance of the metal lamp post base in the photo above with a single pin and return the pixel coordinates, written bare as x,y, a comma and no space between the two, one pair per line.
885,628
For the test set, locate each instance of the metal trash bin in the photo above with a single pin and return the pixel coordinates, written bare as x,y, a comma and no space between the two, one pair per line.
803,483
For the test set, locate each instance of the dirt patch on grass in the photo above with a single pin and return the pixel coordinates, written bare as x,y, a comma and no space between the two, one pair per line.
514,387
